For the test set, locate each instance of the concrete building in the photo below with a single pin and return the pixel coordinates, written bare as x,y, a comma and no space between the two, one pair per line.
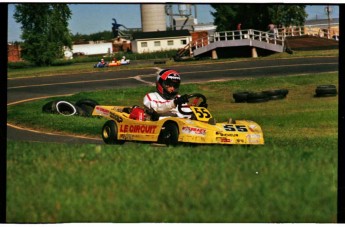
145,42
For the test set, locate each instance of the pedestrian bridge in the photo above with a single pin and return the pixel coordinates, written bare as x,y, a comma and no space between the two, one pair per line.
272,41
250,37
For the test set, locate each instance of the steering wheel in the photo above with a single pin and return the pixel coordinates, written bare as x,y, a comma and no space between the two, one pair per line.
195,101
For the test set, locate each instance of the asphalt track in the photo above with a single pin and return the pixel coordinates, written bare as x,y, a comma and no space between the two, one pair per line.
31,88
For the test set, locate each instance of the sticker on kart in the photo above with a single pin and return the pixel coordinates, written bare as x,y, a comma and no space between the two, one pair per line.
235,128
193,131
201,113
148,129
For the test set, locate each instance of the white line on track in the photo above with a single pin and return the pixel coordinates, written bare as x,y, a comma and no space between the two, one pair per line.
51,133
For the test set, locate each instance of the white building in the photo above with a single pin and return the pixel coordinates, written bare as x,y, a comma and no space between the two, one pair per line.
93,48
145,42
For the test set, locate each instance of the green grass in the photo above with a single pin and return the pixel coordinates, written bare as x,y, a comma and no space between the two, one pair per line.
292,178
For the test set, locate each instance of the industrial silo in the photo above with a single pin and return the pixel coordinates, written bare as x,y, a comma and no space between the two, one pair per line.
153,17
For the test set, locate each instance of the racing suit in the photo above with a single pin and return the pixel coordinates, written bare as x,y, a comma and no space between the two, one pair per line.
162,106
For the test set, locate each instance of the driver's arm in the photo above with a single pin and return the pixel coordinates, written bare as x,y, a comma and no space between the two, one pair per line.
157,103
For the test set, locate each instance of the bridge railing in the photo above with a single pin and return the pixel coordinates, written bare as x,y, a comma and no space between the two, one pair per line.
273,38
276,37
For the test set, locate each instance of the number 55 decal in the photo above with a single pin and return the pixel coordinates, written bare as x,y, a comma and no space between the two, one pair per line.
232,128
201,113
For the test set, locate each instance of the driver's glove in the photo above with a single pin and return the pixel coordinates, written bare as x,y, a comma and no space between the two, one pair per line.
180,100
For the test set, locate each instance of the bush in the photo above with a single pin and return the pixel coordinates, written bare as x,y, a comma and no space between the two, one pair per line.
61,62
19,65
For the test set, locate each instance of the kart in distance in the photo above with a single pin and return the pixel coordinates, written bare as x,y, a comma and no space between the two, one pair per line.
137,124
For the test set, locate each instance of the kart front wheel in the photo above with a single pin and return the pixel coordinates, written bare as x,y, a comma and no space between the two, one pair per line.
169,134
109,133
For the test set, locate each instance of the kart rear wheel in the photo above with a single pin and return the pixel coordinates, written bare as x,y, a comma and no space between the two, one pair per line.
109,133
169,134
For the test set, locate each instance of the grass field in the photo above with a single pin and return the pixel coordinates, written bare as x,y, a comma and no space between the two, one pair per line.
291,179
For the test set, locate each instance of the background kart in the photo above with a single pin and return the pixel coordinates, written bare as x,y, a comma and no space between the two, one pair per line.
200,128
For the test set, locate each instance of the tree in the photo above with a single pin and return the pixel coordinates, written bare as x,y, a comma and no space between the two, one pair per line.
44,31
257,16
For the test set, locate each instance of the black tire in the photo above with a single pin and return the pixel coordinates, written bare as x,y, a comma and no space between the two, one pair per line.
109,133
66,108
169,134
258,100
87,105
240,96
89,102
49,107
325,91
255,97
81,112
278,92
324,95
276,97
284,92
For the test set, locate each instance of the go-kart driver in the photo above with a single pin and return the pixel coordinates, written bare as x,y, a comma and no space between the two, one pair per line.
165,100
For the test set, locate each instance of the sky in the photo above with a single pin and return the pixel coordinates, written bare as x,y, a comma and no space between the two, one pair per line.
93,18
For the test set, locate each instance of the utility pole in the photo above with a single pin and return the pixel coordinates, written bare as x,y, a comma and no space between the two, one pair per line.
328,10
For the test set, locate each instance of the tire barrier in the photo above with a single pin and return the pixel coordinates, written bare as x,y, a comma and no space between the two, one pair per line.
325,91
263,96
240,96
255,97
87,105
49,107
66,108
83,107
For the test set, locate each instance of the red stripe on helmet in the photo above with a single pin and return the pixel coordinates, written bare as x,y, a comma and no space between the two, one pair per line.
167,73
159,88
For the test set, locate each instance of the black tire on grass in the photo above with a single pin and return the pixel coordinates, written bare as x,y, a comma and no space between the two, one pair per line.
240,96
87,105
255,97
66,108
276,94
325,91
277,97
49,107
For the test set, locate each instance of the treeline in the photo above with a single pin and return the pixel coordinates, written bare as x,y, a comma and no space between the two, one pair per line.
80,38
104,35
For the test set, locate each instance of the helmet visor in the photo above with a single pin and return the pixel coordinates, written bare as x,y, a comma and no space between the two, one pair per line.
171,83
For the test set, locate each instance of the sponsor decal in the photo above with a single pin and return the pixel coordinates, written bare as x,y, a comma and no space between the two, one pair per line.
138,128
126,137
253,141
102,110
193,130
174,77
253,136
225,140
252,128
228,134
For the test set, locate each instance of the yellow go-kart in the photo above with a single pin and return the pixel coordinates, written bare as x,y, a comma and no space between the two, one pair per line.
199,128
